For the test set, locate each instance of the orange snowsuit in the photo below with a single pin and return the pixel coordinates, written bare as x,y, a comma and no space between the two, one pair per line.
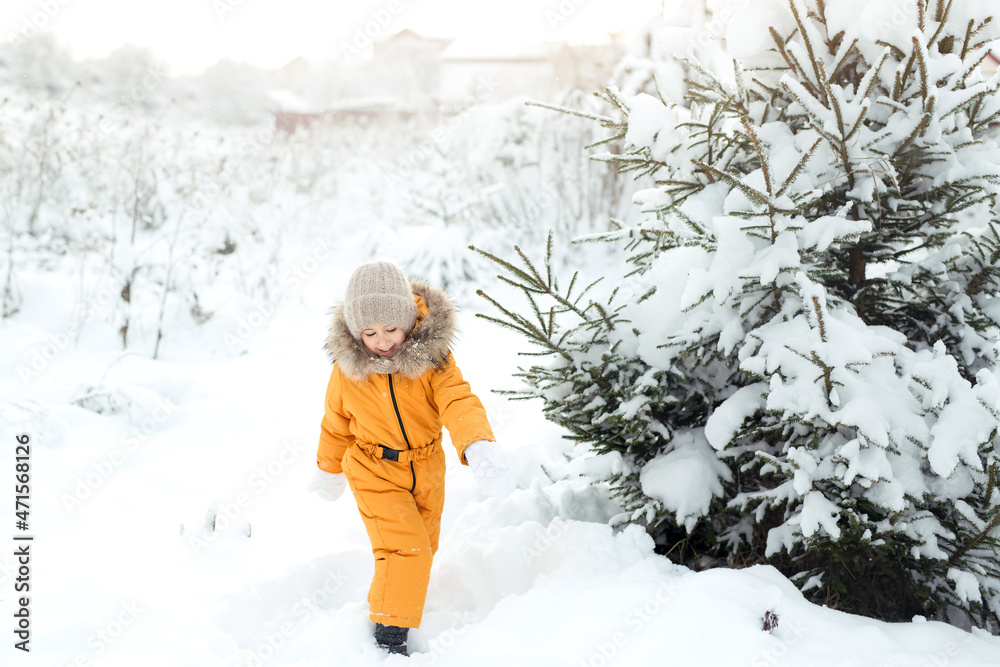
382,429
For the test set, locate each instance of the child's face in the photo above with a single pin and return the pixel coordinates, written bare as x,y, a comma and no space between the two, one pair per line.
383,339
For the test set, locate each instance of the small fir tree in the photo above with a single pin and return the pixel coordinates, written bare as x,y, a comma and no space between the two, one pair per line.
802,367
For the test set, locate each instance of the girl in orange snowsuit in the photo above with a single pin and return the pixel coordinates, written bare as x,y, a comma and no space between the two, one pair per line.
394,384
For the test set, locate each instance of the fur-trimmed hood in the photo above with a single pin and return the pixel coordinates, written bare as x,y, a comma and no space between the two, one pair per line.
427,346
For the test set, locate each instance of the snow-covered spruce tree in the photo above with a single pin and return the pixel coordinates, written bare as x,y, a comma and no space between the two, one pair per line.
802,368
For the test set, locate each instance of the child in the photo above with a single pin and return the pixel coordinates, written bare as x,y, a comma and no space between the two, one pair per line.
394,384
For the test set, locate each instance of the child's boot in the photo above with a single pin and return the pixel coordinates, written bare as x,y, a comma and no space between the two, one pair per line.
391,638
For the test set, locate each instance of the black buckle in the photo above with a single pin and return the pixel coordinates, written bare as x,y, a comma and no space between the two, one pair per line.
390,454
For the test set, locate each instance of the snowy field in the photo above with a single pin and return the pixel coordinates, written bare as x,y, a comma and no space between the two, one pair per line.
126,569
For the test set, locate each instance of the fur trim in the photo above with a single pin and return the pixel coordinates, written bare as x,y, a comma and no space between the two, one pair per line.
427,346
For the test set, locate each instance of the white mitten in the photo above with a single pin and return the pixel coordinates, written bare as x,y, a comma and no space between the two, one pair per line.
491,465
327,485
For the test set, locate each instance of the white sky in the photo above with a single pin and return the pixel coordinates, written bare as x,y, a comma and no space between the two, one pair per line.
192,34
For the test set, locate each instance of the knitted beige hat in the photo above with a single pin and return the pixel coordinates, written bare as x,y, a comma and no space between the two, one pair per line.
379,293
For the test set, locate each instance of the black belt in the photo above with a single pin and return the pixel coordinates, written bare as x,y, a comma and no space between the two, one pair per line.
390,454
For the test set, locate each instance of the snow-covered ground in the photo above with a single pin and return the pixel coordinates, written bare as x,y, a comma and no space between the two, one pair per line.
125,571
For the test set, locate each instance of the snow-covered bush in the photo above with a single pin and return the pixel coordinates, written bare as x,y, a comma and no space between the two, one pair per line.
803,366
175,220
501,170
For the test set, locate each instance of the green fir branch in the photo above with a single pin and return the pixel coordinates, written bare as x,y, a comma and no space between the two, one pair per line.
751,193
797,171
921,55
816,63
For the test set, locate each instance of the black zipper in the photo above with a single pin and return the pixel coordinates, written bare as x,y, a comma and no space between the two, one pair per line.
399,418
